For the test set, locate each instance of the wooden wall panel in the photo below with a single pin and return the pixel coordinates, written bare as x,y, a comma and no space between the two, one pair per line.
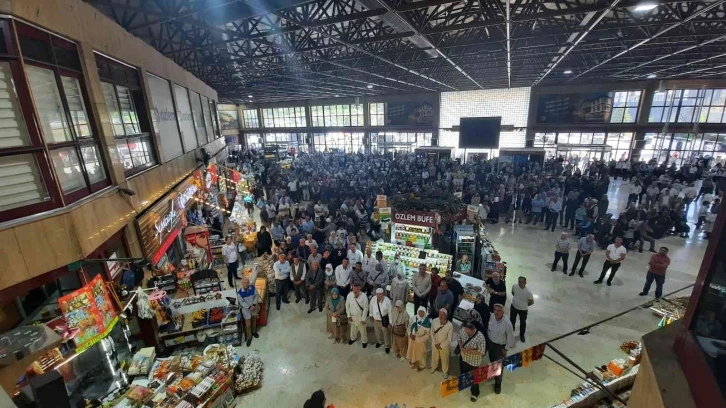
12,264
48,244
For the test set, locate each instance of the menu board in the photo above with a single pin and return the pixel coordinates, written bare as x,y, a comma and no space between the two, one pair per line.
89,310
575,108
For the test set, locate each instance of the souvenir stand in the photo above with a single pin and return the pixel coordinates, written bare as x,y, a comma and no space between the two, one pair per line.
86,346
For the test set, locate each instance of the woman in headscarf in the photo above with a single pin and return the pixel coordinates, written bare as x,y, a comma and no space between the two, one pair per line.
399,288
480,305
418,335
329,278
399,327
335,309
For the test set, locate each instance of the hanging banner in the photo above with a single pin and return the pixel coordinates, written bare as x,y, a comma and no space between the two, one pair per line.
491,370
385,214
89,310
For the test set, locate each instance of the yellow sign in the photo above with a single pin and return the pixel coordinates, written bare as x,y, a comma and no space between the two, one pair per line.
98,337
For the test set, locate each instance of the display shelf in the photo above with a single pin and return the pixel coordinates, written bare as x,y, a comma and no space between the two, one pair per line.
589,399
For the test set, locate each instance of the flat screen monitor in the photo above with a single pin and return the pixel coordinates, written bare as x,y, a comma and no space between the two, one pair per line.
479,133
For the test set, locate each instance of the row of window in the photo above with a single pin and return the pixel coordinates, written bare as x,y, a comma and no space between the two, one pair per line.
688,106
49,147
347,141
321,116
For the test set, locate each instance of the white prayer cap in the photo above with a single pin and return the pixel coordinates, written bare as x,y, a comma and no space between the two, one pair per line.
379,290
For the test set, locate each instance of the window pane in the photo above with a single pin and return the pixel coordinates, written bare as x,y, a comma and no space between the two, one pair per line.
13,130
48,102
633,99
140,150
109,95
198,118
686,114
719,97
68,168
655,115
128,111
630,114
208,124
77,107
186,121
124,154
20,182
164,117
715,114
617,115
92,160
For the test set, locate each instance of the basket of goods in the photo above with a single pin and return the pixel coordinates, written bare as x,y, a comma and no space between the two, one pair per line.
199,318
216,315
248,373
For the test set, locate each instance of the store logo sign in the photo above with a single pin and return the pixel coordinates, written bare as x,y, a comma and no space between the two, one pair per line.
165,224
426,219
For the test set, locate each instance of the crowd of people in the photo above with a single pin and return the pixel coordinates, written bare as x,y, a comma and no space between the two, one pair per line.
319,213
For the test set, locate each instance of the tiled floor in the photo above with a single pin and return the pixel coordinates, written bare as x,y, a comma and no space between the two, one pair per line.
300,359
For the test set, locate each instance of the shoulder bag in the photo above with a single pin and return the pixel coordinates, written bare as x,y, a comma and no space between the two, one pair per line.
385,320
457,350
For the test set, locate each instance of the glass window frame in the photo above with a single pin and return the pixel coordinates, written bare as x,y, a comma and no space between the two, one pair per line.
38,147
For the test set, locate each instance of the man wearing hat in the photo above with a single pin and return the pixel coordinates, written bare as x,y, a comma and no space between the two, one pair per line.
442,332
380,313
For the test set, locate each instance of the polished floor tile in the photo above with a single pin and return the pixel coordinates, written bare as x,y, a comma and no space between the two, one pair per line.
300,359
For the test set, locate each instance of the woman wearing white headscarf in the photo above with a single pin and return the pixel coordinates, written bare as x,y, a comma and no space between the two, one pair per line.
418,335
329,278
399,288
399,327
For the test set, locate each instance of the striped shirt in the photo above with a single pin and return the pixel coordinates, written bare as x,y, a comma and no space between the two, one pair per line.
477,343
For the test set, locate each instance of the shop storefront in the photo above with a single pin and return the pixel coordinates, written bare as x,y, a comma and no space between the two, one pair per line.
413,228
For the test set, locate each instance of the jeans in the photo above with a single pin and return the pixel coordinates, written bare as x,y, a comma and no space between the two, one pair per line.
608,265
420,301
280,291
232,273
564,257
578,257
659,280
552,222
536,217
513,312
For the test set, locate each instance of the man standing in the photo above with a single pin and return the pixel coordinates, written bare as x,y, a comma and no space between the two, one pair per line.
497,291
356,306
456,289
585,246
473,346
382,262
657,267
282,277
555,208
354,254
442,331
435,281
522,299
562,250
314,281
501,338
421,286
614,256
444,300
376,279
303,251
359,276
249,302
297,275
369,262
342,278
229,252
380,310
314,257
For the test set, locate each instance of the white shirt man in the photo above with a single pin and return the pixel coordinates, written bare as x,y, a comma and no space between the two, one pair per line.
614,256
229,252
354,255
442,332
635,188
356,306
369,263
282,269
522,298
342,274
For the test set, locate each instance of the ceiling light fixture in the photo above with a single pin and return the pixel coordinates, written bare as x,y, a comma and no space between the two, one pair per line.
249,96
651,76
337,96
568,72
645,6
369,86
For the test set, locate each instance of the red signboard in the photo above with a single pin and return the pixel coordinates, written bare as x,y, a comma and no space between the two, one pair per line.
422,219
164,246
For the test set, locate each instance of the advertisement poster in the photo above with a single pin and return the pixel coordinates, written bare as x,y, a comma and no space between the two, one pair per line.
410,113
575,108
89,310
385,214
229,120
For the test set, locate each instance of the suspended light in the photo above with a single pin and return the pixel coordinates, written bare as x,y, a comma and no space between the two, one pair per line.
369,86
567,72
645,6
651,76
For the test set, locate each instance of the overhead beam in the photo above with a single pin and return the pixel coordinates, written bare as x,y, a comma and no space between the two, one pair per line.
654,36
